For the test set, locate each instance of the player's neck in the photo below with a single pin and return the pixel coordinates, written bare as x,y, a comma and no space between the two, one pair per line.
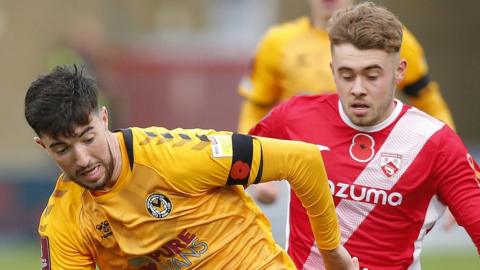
117,158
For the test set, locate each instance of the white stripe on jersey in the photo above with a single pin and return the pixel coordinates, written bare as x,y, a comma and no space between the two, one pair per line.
407,138
434,213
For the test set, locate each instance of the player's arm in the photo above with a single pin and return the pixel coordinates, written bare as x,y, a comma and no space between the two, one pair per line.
260,88
61,249
459,184
421,91
258,160
302,166
269,192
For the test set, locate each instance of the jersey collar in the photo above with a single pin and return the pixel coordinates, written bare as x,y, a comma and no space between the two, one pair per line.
396,112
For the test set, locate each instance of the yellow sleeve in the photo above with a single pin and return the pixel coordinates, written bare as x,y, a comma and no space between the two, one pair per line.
261,87
62,245
302,166
60,254
200,160
417,86
430,100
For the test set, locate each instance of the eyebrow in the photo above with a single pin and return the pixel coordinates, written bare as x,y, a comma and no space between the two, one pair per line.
374,66
80,135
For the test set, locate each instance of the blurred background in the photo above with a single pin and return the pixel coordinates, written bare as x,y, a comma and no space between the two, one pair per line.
177,64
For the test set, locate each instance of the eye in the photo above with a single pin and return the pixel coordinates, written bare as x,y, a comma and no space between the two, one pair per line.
89,140
347,77
60,150
372,77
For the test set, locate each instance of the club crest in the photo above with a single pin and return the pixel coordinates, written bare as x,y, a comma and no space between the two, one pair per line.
158,205
390,163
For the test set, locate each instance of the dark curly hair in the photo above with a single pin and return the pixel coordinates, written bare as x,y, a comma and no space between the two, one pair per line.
58,102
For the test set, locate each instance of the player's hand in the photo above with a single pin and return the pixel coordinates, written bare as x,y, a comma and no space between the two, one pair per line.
266,193
356,264
449,222
339,259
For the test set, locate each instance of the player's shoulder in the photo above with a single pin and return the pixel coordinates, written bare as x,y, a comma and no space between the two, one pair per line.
415,115
440,132
160,136
63,207
305,101
154,146
287,30
410,42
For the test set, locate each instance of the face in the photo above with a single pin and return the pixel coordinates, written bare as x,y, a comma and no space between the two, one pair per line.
326,8
365,81
86,157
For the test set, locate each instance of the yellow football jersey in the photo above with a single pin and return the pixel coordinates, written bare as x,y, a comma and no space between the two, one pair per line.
294,58
179,203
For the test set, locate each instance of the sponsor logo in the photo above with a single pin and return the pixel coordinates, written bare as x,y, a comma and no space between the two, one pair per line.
175,254
365,194
104,228
45,249
221,146
361,148
390,163
158,205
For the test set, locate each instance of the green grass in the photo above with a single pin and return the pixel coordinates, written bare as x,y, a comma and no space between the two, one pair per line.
20,256
26,256
451,260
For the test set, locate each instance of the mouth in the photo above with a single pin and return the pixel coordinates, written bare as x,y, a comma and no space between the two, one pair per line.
359,108
91,174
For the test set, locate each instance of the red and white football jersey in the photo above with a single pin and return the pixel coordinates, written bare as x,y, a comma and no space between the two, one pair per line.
391,182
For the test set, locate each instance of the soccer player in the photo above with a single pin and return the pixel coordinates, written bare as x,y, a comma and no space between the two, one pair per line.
293,59
152,198
392,168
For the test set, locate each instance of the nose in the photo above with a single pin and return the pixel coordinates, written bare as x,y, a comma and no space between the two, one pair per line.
358,88
81,156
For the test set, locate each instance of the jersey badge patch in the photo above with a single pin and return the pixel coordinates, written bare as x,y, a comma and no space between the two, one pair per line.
45,249
475,168
221,146
390,163
361,148
158,206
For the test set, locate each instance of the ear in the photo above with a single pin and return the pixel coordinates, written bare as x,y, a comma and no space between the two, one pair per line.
400,71
104,116
39,142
